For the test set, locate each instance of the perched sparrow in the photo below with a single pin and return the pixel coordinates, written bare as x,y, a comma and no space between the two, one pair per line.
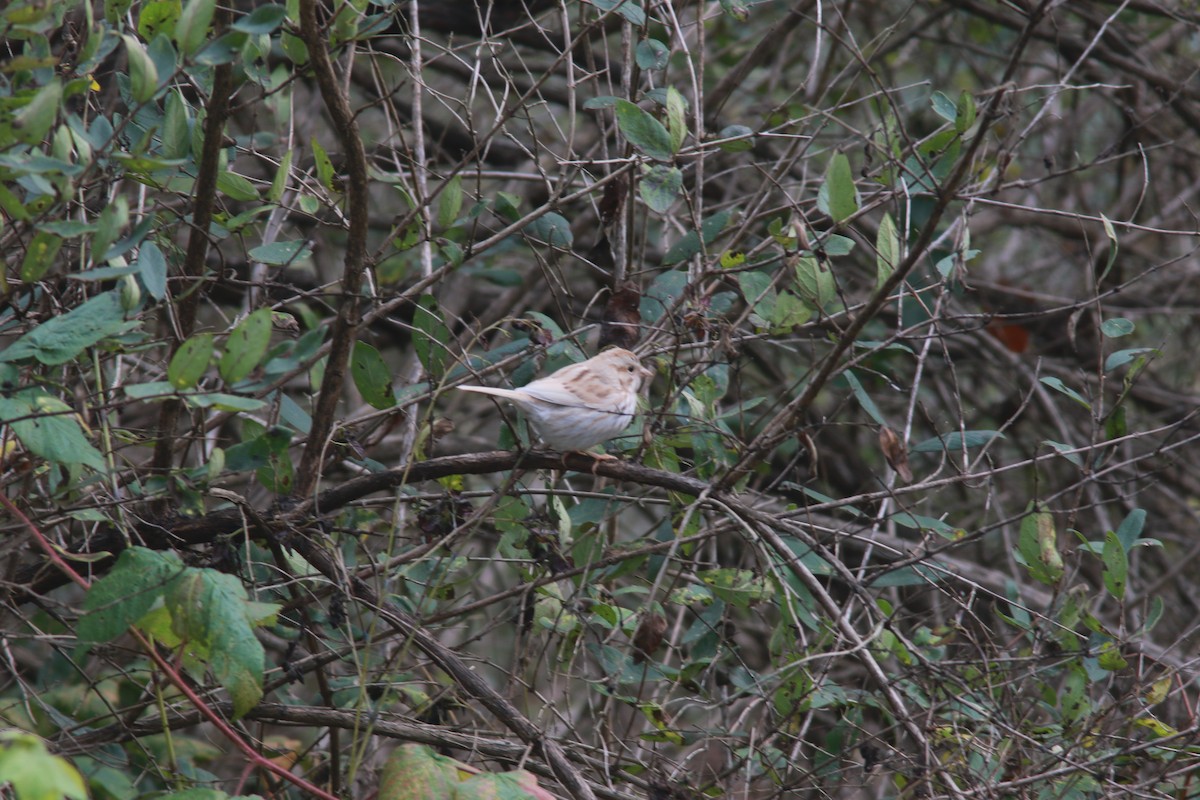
583,404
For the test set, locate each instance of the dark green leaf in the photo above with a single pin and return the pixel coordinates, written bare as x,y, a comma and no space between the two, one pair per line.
1116,566
281,253
432,337
190,361
652,54
59,339
626,8
246,346
689,244
210,610
1058,385
644,132
743,138
152,269
738,9
372,376
864,399
553,229
1131,528
126,594
264,19
604,101
955,442
49,428
660,186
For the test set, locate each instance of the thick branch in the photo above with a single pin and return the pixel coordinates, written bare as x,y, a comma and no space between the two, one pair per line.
345,325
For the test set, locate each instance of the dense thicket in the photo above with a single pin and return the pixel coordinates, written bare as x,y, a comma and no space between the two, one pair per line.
910,505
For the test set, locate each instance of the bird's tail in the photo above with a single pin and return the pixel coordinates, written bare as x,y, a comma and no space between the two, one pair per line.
498,392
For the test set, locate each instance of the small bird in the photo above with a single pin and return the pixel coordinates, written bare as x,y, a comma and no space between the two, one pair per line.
581,405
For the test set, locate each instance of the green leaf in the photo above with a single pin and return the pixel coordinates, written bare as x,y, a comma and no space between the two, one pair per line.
1130,528
372,376
743,138
127,593
143,76
158,16
660,186
1038,547
553,229
738,9
210,609
262,20
49,428
814,280
176,132
190,361
1123,357
887,250
676,118
33,773
864,399
601,102
246,346
964,116
192,29
281,253
432,337
31,124
59,339
944,107
628,9
416,772
840,194
1116,327
40,256
955,442
690,243
279,182
113,219
1058,385
237,187
450,202
324,165
152,269
652,54
644,132
1116,566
